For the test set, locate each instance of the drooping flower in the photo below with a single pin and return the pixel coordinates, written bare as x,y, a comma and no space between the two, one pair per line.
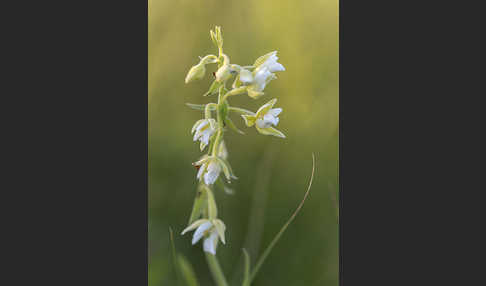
209,170
265,117
211,230
265,67
211,166
225,71
203,129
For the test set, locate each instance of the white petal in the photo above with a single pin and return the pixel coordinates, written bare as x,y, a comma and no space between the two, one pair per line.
197,135
205,137
260,123
275,111
209,244
201,171
245,76
202,125
199,233
212,174
270,119
275,67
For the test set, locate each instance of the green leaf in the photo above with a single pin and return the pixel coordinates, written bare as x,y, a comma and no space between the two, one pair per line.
282,230
187,271
174,255
246,273
199,205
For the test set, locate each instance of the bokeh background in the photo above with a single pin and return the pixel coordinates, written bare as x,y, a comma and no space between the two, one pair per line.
273,173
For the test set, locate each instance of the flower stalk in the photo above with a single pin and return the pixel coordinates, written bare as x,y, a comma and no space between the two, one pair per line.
212,166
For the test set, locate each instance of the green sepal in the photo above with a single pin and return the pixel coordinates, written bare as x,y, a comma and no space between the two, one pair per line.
232,126
237,83
254,94
249,119
213,89
226,189
220,229
194,225
265,108
270,131
228,172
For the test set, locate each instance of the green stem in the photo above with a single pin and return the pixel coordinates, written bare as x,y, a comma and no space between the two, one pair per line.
216,270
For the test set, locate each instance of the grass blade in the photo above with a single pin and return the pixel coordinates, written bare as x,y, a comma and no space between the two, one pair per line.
282,230
174,255
246,275
187,271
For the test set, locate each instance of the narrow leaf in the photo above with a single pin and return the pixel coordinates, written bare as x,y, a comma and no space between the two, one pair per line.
246,273
174,255
282,230
187,271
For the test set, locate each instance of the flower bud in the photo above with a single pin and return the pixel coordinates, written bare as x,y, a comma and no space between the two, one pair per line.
196,72
223,73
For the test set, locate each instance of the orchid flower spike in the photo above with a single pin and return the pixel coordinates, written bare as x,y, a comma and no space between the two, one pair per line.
265,117
265,67
203,129
211,230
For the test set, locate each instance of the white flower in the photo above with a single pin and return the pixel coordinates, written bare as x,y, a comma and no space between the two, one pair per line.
211,230
265,67
209,169
271,63
204,129
270,118
211,166
265,117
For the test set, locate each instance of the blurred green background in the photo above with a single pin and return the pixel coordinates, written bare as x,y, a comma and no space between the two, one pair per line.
273,173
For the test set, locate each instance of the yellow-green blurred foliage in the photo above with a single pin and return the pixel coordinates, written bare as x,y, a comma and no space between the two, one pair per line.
273,172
